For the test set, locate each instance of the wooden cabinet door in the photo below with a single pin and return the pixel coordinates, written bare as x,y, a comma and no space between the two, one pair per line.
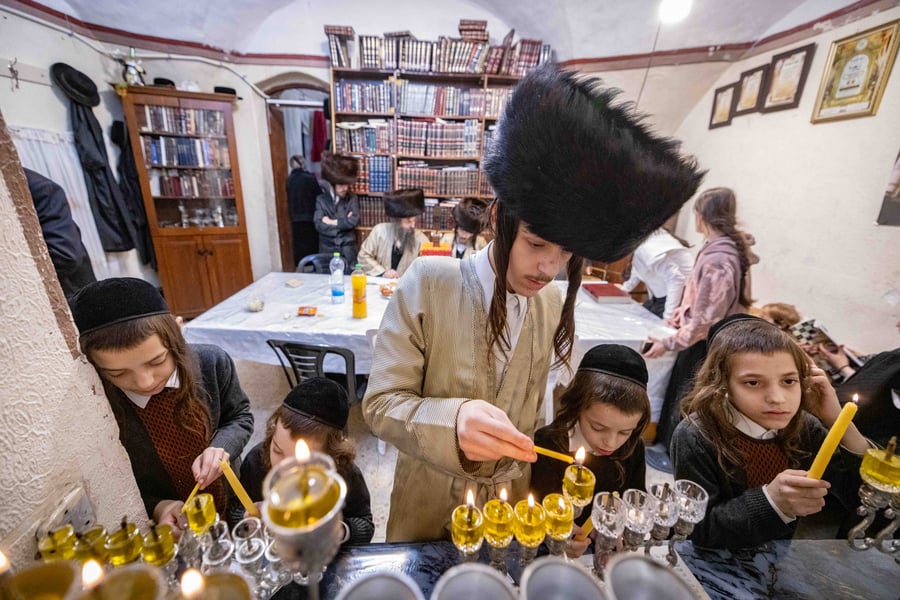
228,264
183,273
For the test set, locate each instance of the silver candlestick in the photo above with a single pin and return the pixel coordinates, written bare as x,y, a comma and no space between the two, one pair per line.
692,500
608,517
666,515
640,512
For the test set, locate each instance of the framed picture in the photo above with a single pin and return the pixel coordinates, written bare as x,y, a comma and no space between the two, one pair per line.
752,90
855,74
723,105
787,76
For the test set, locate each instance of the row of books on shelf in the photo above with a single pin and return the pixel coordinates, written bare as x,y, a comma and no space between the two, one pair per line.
186,152
375,136
488,139
358,96
338,37
439,139
443,181
185,121
191,185
374,175
450,100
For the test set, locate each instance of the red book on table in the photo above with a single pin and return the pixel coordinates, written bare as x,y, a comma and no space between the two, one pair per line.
603,291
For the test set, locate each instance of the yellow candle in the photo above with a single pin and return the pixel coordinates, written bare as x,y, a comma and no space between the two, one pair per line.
881,468
586,530
553,454
239,490
301,498
834,437
529,523
191,495
560,516
124,545
578,482
498,521
467,526
201,513
159,545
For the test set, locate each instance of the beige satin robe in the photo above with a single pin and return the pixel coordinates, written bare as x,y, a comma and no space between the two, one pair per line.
375,254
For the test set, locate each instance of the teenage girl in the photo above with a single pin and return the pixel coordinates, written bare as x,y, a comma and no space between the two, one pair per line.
755,419
604,410
179,406
316,410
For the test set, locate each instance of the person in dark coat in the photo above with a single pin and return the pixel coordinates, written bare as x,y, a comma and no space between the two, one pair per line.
337,209
302,190
63,238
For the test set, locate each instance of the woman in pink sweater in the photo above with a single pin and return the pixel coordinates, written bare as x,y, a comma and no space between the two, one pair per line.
717,288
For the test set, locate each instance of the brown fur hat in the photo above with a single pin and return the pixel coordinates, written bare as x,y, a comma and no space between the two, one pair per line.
582,172
469,215
337,169
401,204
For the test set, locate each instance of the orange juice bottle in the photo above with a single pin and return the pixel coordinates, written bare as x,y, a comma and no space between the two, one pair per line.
358,283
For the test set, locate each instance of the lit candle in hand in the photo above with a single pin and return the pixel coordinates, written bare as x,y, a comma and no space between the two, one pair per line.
467,526
578,482
834,437
498,521
529,524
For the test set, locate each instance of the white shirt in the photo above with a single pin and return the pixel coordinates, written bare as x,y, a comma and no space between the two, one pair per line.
516,307
664,265
141,401
756,431
577,440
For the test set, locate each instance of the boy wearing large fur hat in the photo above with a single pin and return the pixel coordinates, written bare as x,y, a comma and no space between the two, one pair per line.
469,221
337,208
391,247
466,346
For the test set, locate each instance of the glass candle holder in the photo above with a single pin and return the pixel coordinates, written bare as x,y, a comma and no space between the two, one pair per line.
560,520
666,514
226,586
692,500
58,544
159,545
608,517
217,531
189,550
56,579
201,513
467,528
578,486
124,545
880,488
881,468
498,529
247,529
529,528
640,513
217,557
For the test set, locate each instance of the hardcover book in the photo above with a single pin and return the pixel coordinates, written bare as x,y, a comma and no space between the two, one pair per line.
603,291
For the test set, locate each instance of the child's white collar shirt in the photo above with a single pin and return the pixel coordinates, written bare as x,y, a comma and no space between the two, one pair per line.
141,401
756,431
577,440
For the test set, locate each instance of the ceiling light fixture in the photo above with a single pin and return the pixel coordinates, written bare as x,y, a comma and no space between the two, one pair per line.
673,11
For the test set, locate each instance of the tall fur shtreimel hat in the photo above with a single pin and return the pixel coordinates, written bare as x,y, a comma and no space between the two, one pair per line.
338,169
582,172
469,214
401,204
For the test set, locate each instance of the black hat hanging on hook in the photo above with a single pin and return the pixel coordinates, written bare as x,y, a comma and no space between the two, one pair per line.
75,84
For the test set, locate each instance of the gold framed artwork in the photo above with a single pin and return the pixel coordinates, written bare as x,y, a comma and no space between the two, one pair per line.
751,90
787,76
723,105
856,72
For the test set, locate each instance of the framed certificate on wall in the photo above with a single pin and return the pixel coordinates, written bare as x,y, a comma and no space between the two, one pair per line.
787,76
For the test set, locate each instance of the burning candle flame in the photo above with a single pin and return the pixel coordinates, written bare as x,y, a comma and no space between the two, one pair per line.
579,456
470,499
562,505
530,501
856,398
4,563
503,494
301,451
192,584
91,574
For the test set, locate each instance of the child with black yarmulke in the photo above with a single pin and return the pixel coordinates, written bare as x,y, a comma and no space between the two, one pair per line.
179,406
315,410
604,410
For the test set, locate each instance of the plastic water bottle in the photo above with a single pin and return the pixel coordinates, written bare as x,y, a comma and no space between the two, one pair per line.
336,266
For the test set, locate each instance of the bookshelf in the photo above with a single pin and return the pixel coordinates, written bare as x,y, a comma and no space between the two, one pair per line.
186,157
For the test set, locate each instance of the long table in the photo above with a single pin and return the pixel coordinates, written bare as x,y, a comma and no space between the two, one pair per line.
243,333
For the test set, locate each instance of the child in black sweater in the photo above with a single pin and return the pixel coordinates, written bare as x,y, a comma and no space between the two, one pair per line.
604,410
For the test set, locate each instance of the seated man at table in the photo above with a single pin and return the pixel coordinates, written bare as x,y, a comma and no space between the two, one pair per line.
466,238
391,247
465,347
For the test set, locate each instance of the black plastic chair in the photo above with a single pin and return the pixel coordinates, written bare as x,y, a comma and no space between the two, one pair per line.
301,361
315,263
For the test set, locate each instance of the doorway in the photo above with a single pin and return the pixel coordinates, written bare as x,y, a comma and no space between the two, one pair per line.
298,126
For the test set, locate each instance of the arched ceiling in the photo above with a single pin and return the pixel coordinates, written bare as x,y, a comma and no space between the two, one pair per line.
575,28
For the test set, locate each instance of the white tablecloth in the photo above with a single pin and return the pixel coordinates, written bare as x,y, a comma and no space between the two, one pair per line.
243,334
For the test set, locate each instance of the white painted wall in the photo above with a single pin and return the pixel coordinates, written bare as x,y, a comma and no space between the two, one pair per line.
810,194
56,427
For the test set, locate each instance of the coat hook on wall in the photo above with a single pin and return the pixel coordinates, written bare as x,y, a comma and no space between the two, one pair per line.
13,74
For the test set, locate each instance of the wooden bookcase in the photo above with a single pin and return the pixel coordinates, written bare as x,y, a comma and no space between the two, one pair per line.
402,125
186,157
